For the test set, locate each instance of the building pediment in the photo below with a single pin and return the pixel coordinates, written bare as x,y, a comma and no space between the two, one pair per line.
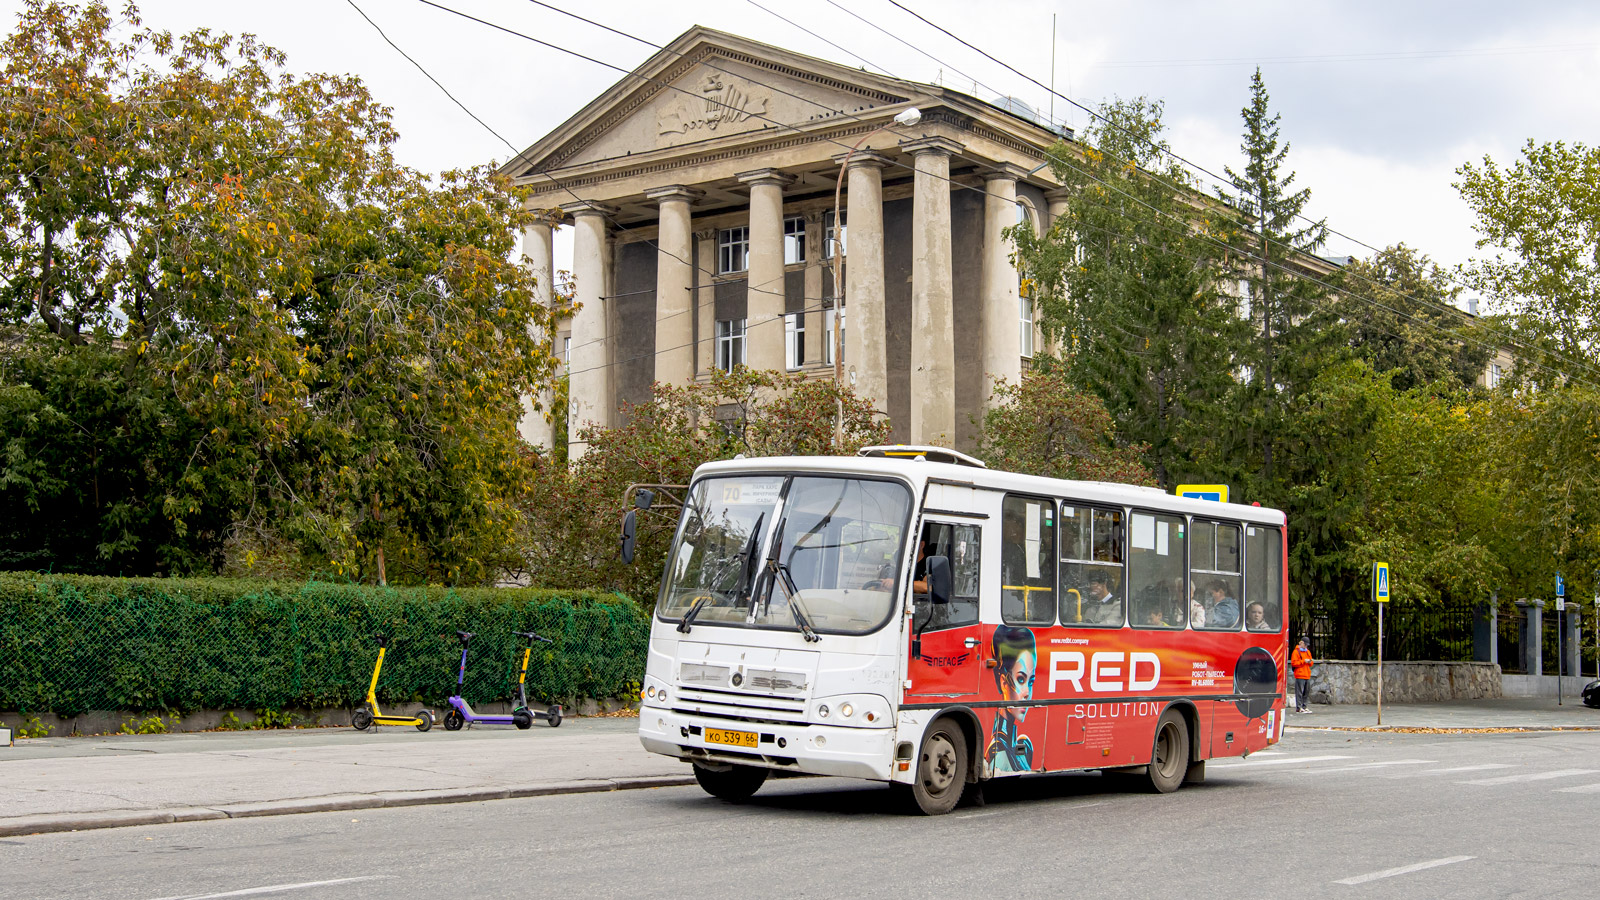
705,87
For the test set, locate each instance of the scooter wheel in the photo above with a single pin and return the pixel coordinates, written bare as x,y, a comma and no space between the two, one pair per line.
453,720
425,720
555,717
361,719
522,719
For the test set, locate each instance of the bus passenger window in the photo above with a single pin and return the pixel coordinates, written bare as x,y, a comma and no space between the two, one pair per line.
959,544
1263,580
1027,562
1214,572
1092,579
1155,571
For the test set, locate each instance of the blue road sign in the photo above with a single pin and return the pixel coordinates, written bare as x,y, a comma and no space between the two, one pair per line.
1561,586
1380,582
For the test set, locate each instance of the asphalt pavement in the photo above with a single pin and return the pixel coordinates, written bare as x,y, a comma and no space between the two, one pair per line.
80,783
1323,814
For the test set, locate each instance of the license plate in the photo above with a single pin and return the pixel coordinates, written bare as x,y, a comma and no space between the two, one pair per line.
735,738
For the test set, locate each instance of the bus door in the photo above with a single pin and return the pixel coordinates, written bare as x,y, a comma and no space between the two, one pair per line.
947,641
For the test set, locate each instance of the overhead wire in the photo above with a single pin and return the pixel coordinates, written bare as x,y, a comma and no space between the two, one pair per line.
790,126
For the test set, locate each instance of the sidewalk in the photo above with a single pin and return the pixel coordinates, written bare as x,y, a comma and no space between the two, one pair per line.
1534,713
61,784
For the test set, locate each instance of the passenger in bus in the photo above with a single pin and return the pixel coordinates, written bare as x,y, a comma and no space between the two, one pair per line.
1102,607
1016,658
1222,611
1255,618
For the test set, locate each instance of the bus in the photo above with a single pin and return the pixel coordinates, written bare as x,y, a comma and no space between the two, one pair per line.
910,616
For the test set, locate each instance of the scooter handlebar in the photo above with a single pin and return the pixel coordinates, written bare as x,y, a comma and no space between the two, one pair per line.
530,636
465,636
383,640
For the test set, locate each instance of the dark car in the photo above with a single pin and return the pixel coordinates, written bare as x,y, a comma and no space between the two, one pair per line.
1591,695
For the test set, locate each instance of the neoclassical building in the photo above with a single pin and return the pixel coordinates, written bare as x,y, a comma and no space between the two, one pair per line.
701,191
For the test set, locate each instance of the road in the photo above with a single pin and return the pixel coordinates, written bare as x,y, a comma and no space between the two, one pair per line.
1325,814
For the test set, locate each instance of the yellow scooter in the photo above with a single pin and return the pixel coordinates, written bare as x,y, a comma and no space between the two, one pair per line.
369,714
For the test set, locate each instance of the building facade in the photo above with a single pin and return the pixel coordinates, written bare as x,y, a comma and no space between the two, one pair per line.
701,190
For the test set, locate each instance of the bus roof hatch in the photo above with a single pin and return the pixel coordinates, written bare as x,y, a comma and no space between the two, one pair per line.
927,452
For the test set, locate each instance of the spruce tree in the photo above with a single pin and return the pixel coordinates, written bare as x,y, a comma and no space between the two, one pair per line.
1295,329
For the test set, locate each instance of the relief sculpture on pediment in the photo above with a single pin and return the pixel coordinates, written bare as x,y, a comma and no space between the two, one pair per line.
721,103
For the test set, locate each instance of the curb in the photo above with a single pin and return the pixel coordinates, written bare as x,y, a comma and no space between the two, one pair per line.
45,823
1448,729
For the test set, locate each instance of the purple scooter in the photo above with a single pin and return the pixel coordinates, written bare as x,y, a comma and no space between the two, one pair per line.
461,713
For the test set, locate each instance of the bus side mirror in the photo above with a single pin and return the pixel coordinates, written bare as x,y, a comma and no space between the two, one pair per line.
938,579
644,498
629,525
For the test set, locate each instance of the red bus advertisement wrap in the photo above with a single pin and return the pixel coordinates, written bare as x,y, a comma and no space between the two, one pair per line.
928,622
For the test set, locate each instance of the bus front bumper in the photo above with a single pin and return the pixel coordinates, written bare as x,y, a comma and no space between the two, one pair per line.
814,749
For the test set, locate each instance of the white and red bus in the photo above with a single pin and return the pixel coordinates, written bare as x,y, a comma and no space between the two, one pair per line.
932,623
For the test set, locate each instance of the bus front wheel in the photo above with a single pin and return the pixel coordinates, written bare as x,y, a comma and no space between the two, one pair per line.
941,769
732,783
1169,759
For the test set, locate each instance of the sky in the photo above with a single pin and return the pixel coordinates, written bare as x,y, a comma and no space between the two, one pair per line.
1381,102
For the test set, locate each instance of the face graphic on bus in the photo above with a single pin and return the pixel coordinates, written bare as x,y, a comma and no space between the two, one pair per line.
1017,658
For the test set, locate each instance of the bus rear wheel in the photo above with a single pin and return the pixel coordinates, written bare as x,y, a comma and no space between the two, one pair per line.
1169,759
733,783
941,769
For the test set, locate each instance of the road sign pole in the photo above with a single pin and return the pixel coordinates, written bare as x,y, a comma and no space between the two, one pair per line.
1561,655
1380,662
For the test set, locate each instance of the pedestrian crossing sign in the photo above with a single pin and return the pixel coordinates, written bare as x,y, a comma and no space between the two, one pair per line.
1380,582
1215,492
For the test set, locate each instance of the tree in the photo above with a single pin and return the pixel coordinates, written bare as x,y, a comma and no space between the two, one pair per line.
1541,219
344,340
573,511
1046,426
1297,330
1400,316
1129,283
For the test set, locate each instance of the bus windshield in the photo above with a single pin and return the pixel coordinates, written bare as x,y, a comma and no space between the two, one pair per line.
838,539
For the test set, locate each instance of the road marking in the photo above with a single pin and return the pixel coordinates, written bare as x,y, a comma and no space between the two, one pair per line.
278,888
1275,762
1403,870
1376,765
1536,776
1581,789
1448,771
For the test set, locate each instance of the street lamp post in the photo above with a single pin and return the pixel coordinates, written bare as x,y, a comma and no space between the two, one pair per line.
907,117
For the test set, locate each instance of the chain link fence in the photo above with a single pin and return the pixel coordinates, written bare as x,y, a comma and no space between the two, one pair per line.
70,644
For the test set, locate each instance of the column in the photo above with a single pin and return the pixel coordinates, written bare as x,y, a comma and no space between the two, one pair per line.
705,270
1057,198
933,383
675,294
1002,311
864,280
537,246
590,398
764,300
814,289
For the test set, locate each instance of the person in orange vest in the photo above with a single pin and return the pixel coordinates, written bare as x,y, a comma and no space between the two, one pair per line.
1300,663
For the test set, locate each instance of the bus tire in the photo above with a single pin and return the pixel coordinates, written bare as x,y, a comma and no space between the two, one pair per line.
1169,758
735,784
941,769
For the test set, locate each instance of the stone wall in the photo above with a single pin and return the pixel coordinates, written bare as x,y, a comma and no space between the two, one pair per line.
1356,681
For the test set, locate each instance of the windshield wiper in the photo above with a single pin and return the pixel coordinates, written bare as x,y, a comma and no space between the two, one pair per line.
688,617
781,575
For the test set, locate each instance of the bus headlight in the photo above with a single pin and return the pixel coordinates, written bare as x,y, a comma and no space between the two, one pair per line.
854,710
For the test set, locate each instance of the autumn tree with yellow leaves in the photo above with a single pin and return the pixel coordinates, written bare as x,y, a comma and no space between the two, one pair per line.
238,335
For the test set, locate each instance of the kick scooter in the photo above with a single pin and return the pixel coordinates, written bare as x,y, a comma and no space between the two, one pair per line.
461,713
369,714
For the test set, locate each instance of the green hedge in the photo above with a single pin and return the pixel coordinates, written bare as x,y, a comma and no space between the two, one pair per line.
74,643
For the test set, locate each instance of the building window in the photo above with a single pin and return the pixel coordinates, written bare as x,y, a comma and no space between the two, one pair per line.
1494,375
829,240
794,340
730,344
827,337
566,353
1025,323
794,241
733,249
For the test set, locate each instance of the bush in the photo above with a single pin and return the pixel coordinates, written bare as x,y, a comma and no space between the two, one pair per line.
74,643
